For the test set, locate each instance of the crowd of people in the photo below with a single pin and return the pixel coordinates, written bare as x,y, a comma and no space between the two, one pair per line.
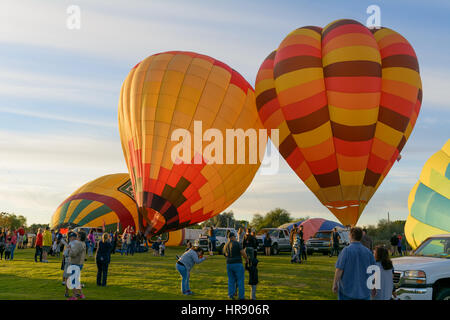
240,252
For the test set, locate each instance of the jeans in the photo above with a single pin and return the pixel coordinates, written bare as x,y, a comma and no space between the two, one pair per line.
13,247
253,292
235,275
102,273
296,257
184,278
335,249
38,253
124,249
91,249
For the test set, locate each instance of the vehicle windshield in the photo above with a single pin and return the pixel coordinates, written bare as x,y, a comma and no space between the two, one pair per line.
435,247
272,233
323,235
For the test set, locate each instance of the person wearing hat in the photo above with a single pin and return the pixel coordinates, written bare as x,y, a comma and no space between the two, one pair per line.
77,254
234,252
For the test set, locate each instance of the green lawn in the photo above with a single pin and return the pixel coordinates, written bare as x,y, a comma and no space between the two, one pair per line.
144,276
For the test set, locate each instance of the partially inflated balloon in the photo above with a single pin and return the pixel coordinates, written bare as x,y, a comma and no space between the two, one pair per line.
170,91
429,200
345,100
107,201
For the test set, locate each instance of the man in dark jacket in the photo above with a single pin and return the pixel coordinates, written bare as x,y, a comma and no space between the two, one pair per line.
366,240
394,243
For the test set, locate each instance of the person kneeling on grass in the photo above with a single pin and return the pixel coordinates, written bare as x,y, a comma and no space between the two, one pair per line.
184,265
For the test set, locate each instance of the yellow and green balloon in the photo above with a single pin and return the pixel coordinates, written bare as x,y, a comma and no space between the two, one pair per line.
429,200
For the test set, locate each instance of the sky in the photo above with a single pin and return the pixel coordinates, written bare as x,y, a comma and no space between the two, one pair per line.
59,89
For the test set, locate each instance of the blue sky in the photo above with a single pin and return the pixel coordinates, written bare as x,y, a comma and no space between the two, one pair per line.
59,89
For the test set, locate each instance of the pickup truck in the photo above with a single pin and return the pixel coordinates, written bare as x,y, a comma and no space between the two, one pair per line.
425,275
221,239
280,239
321,242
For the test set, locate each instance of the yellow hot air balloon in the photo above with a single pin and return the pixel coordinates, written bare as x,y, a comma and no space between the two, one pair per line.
179,90
345,100
429,200
107,200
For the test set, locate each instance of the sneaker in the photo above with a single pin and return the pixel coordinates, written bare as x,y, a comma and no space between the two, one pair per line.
72,298
63,283
66,295
82,296
189,293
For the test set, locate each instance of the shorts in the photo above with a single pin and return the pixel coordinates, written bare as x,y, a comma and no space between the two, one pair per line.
46,249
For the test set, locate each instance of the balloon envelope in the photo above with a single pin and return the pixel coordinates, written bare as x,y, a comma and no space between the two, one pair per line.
345,100
429,200
170,91
313,225
106,200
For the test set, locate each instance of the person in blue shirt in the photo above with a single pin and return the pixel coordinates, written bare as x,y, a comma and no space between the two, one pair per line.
211,241
350,279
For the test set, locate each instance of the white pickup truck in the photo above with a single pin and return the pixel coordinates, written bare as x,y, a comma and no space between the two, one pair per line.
425,275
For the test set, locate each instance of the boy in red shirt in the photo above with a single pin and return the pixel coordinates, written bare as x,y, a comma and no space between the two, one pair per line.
38,246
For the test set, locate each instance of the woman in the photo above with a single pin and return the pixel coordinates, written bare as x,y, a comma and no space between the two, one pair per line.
267,243
11,242
38,252
115,237
185,264
91,238
103,258
386,276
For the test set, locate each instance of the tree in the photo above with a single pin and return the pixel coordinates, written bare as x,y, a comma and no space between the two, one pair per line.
272,219
12,221
34,227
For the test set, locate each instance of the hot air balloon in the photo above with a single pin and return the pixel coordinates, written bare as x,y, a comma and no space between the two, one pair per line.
177,90
429,200
345,99
107,200
313,225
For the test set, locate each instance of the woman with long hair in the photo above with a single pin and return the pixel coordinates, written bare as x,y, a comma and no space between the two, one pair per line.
103,258
386,274
267,243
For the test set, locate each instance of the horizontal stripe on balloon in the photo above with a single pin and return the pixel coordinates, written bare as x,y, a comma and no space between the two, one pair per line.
367,100
356,68
323,166
396,104
397,49
393,119
265,97
296,63
341,27
352,148
353,53
353,84
309,122
353,133
306,46
302,99
371,178
330,179
352,163
400,60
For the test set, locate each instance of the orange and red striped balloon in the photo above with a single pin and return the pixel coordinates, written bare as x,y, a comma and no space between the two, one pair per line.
345,99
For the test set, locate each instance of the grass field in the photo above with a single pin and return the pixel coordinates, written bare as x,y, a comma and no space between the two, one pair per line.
144,276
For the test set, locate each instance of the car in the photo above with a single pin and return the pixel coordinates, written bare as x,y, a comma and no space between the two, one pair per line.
321,242
280,239
221,239
424,275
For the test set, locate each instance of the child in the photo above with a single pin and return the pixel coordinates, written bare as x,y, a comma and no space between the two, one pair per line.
155,247
251,267
162,248
65,265
56,248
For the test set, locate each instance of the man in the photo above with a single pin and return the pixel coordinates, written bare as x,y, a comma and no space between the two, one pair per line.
235,269
366,240
394,243
350,279
46,244
335,237
77,255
